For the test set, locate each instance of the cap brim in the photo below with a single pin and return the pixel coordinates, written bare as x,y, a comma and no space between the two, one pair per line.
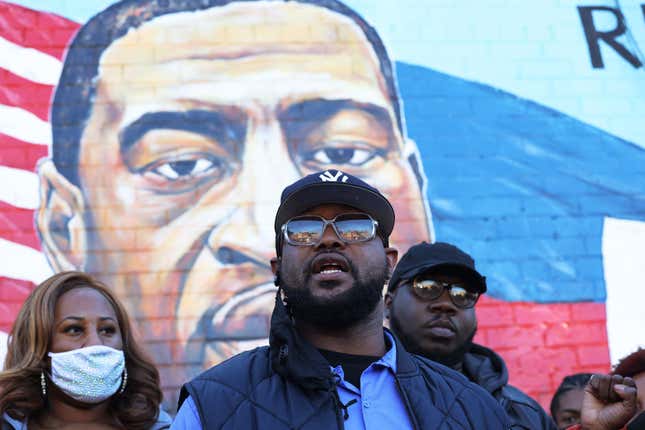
370,202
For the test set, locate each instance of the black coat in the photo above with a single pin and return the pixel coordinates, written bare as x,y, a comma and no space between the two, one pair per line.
289,385
487,369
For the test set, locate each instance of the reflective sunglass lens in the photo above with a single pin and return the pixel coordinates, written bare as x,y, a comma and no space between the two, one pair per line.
355,229
462,297
349,228
428,289
304,231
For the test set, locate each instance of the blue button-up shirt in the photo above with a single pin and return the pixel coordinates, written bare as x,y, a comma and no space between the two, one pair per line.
379,404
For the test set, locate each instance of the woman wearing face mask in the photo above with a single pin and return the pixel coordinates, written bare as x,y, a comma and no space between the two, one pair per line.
72,363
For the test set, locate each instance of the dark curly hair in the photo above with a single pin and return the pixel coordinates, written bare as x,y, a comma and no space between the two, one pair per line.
30,337
631,365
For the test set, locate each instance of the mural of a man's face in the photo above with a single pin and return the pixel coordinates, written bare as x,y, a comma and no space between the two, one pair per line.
190,141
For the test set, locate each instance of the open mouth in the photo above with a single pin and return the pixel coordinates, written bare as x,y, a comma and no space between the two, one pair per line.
330,268
328,264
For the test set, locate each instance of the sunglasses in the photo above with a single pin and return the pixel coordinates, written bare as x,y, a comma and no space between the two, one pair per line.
428,289
308,230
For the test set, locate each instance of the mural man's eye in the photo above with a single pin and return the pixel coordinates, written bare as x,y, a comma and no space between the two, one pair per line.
180,169
185,167
351,156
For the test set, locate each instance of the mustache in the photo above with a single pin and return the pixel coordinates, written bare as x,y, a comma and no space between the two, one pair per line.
441,321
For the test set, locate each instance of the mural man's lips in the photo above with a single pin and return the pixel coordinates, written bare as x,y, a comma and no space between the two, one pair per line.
246,315
239,324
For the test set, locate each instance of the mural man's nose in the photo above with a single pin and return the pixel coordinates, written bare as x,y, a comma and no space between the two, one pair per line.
247,235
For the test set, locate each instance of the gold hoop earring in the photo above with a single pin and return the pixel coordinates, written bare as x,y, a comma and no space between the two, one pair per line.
125,380
43,383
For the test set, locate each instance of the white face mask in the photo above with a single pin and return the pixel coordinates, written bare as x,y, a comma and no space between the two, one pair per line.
89,375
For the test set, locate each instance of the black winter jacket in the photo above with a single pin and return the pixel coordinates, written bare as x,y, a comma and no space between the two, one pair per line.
487,369
289,385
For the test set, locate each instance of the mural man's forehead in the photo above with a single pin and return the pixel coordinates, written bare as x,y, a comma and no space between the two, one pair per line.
236,52
240,24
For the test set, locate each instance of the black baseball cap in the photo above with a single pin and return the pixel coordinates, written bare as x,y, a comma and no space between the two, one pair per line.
334,187
436,257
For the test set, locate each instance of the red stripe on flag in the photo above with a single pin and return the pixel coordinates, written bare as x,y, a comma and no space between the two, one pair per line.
25,94
17,225
13,293
30,28
542,343
19,154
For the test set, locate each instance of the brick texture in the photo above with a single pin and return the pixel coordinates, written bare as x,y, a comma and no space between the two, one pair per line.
541,342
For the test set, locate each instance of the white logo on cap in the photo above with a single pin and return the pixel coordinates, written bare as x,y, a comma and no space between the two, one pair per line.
327,176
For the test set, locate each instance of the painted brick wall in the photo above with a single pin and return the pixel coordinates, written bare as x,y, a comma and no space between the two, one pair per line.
543,343
523,187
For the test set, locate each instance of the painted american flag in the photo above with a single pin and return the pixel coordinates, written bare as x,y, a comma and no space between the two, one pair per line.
32,44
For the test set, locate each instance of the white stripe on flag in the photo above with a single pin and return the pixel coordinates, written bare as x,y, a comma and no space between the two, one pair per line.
623,247
24,125
22,262
29,63
19,187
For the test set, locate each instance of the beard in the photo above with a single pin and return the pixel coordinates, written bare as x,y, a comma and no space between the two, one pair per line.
449,358
342,310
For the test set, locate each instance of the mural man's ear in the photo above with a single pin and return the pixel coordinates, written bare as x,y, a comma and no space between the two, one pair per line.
412,155
59,219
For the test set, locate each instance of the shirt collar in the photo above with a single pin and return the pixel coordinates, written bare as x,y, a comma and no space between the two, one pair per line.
388,360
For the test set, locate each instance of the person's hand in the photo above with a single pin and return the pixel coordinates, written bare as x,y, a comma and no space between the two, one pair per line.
609,402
